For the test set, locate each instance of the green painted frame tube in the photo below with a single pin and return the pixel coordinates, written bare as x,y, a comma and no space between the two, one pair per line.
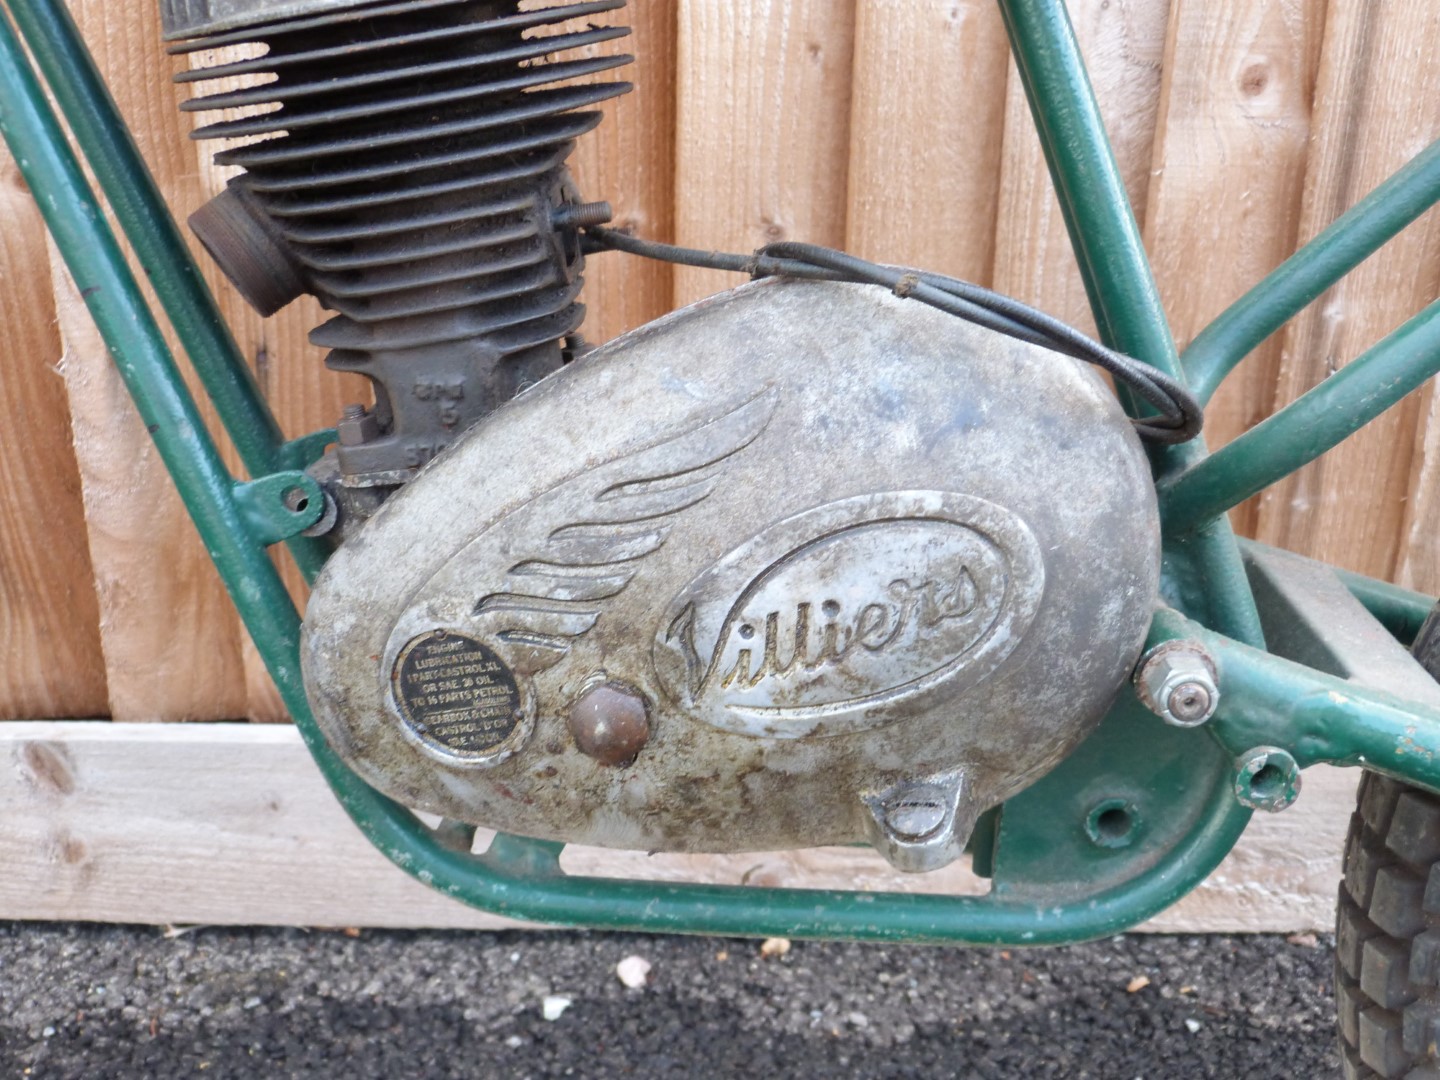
1115,267
521,879
143,359
1348,241
130,189
1307,427
1317,718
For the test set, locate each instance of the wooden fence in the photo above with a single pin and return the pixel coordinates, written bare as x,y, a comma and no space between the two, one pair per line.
896,128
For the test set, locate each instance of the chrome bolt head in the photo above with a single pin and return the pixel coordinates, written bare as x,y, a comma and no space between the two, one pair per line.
1177,683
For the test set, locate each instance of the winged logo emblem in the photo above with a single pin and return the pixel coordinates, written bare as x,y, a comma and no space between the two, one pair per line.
580,544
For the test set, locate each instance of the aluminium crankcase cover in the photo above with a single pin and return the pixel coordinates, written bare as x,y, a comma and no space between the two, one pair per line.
802,564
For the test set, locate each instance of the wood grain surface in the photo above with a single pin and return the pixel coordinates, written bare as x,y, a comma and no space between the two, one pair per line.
1229,167
764,128
49,618
231,823
1377,104
924,168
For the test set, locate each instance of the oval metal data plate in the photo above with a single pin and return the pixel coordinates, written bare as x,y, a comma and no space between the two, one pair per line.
816,624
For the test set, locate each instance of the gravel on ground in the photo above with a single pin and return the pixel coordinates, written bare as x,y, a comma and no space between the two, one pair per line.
104,1001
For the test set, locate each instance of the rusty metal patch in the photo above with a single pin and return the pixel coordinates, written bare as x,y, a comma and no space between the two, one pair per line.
456,693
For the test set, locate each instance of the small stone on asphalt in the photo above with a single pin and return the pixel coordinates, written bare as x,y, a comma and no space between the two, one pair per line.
775,946
554,1006
1138,983
633,971
1193,1026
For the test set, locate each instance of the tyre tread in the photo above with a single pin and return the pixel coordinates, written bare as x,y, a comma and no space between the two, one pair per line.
1387,939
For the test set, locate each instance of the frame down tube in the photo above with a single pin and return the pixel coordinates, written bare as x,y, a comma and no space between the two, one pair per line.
70,71
233,522
1204,568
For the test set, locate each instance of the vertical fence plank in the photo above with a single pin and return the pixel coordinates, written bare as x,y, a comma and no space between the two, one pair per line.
1230,154
170,636
1377,104
764,119
166,626
629,161
49,618
926,124
1419,562
1123,42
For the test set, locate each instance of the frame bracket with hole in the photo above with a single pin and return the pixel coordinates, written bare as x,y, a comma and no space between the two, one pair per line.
279,506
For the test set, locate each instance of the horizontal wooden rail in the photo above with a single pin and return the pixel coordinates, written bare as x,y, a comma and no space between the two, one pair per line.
231,824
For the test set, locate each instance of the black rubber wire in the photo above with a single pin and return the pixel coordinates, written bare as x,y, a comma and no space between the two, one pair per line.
1180,416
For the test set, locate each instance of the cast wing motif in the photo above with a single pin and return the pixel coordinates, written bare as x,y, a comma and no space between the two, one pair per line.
579,545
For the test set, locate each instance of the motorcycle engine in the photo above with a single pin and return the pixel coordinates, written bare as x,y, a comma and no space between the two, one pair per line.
803,564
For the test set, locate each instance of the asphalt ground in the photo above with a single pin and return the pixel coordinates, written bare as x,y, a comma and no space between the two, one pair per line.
92,1001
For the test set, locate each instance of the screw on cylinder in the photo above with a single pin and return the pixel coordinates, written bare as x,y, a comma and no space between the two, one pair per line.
1176,681
582,215
575,347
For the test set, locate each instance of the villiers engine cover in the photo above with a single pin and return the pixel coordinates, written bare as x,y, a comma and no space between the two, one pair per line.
803,564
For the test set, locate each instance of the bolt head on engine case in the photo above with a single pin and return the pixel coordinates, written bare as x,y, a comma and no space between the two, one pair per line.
803,564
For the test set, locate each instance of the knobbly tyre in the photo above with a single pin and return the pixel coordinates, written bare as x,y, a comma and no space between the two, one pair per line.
849,554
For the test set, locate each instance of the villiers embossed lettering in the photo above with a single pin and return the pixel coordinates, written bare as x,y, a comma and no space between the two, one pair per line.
456,693
820,622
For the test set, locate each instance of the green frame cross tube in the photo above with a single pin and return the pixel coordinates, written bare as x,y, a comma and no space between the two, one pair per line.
1345,244
1051,884
1303,430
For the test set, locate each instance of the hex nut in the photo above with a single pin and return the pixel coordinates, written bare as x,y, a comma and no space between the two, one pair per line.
610,723
1267,778
1177,682
357,427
